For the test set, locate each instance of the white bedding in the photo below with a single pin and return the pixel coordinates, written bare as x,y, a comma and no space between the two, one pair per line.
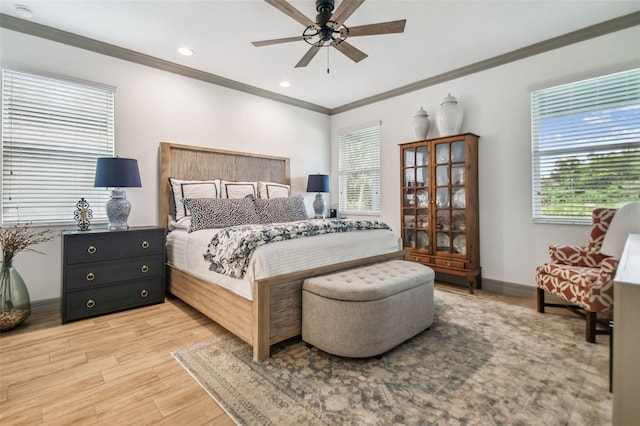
186,250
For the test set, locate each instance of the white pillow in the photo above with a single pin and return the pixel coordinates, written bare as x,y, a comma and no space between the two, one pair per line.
184,223
229,189
273,190
626,221
192,189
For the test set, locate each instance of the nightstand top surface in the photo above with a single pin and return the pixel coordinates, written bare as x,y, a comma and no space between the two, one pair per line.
106,230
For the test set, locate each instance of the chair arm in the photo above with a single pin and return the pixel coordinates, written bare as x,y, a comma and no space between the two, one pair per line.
575,256
600,294
608,269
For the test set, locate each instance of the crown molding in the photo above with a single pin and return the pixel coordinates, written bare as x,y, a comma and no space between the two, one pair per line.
583,34
49,33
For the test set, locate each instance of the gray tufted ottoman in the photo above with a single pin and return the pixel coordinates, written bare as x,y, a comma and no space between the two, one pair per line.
366,311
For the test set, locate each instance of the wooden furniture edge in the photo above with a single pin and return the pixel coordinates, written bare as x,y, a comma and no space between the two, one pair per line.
220,304
214,302
166,149
249,320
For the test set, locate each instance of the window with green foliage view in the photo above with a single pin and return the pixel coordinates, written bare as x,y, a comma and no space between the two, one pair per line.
585,147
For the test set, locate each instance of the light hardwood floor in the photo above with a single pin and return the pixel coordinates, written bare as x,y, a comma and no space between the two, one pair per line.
114,369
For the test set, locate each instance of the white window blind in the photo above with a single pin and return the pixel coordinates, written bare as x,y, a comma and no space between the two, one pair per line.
585,147
52,132
359,170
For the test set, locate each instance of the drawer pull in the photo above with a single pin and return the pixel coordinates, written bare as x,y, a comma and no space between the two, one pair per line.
91,303
448,263
91,249
145,244
144,268
91,276
144,293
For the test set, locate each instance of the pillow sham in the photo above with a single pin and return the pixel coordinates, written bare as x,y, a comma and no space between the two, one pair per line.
231,189
209,213
184,223
273,190
274,210
183,189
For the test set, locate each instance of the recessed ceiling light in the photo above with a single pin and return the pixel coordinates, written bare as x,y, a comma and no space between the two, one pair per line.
185,51
285,84
24,11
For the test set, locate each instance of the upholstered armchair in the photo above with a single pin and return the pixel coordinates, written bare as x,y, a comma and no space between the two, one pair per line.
581,275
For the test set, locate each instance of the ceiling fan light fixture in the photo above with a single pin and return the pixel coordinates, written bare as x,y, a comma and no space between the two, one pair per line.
186,51
329,29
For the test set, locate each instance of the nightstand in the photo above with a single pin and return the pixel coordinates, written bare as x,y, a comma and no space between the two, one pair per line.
107,271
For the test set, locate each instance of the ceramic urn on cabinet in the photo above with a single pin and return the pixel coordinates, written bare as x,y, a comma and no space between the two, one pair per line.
420,124
450,115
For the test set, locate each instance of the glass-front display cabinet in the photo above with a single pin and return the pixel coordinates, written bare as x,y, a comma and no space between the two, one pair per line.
440,223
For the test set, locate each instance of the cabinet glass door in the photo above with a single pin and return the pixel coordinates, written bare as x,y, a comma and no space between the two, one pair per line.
451,198
415,198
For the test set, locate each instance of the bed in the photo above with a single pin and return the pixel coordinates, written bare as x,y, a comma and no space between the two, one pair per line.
269,310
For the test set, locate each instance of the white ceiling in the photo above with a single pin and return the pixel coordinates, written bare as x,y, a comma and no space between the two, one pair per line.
440,36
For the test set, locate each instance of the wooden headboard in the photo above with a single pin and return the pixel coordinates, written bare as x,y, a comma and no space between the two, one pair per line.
200,163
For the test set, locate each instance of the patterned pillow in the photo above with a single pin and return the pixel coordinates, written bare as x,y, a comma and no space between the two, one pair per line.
273,190
209,213
238,189
277,210
192,189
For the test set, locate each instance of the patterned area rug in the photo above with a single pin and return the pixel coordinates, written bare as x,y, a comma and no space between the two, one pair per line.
481,362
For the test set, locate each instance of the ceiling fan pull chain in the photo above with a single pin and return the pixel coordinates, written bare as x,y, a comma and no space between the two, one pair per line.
328,61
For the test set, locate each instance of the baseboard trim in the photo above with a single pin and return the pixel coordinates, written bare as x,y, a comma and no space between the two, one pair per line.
46,306
509,289
494,286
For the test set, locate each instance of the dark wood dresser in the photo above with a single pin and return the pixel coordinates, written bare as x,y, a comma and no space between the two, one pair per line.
107,271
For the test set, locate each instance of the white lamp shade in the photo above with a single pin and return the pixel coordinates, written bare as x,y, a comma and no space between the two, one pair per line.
626,221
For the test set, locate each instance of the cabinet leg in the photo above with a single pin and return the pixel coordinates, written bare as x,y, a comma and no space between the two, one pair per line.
474,279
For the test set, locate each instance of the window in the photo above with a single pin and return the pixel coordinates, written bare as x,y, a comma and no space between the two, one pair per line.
52,132
359,170
585,147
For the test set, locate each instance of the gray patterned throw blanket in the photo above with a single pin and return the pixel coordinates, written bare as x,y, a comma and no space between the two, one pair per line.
230,249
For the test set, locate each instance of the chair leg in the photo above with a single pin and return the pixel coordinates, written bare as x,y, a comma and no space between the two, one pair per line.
540,294
591,327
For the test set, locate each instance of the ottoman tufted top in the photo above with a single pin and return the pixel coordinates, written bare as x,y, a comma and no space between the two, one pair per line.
371,282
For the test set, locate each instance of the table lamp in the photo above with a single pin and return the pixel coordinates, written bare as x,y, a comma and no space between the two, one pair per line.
318,183
116,173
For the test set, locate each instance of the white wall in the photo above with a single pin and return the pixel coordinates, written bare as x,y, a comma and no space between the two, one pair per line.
154,106
496,105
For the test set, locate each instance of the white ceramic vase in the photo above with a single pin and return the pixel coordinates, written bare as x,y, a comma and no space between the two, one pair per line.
449,120
420,124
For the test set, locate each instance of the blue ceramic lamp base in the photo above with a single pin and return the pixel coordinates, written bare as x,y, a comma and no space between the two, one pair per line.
118,209
319,206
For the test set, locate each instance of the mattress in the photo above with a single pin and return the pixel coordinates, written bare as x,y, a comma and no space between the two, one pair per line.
185,251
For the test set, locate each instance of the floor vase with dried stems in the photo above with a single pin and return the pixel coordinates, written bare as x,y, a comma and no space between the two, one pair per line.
14,297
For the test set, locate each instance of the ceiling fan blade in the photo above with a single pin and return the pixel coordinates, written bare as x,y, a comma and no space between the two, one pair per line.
291,11
278,41
374,29
309,55
356,55
342,13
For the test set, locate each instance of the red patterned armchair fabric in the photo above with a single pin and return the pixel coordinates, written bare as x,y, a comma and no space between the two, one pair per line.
581,275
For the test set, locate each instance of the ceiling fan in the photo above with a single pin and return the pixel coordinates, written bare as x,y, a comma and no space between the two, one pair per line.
329,28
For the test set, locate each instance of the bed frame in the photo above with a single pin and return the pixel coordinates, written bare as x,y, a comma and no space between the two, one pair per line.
275,314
